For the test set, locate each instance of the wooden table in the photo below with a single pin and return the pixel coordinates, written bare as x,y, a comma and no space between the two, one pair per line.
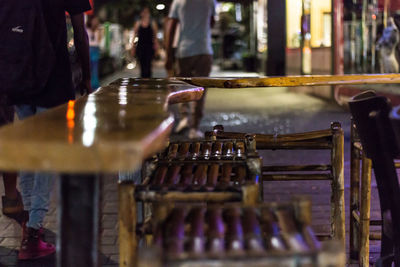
111,130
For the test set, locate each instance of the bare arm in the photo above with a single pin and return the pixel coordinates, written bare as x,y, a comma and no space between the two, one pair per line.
82,49
135,34
155,40
136,29
171,31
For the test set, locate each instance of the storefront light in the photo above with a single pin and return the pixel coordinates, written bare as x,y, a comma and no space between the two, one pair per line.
160,7
226,7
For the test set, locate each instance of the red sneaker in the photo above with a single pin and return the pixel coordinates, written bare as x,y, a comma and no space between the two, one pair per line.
32,245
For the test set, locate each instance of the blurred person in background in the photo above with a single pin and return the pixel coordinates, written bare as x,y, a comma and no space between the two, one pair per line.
145,31
173,71
194,51
94,34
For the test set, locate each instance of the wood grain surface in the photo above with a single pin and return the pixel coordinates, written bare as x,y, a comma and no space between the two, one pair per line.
292,81
111,130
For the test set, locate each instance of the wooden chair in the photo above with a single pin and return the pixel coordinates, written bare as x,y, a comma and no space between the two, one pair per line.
371,117
360,201
234,235
201,171
331,139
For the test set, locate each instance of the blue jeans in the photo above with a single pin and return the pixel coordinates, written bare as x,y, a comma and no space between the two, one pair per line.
35,187
94,67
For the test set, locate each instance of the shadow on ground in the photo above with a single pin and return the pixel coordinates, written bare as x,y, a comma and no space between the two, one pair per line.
8,257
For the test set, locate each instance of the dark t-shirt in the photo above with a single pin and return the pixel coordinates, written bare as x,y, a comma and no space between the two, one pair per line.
59,87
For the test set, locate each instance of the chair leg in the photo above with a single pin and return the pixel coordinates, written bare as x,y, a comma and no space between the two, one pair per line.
337,197
354,196
127,224
365,211
385,261
396,256
386,249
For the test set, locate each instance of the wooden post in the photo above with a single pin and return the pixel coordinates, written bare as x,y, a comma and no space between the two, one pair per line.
353,36
338,39
365,211
354,194
127,224
364,36
276,38
251,194
373,34
79,207
386,11
305,48
337,197
337,50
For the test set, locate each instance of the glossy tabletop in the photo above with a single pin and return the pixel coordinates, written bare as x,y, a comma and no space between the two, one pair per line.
292,81
111,130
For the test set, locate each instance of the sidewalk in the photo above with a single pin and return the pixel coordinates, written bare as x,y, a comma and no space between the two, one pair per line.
262,110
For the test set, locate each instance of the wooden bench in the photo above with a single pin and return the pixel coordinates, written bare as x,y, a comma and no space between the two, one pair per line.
233,235
204,170
201,171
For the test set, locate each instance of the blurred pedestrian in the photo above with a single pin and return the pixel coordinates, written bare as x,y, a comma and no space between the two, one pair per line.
387,46
41,79
145,30
94,33
194,52
173,71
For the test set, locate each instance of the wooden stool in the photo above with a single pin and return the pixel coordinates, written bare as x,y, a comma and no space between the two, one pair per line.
201,171
235,235
331,139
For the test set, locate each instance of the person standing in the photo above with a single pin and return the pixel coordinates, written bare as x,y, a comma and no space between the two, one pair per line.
194,51
94,33
145,30
45,33
12,200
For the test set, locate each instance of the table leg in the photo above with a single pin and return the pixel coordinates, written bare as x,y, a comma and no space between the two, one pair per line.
127,224
79,221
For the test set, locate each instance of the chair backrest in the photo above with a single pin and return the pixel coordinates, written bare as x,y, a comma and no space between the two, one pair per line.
361,107
181,164
203,171
331,140
371,117
395,119
321,139
231,235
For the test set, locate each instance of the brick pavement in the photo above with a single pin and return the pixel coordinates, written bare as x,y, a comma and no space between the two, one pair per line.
255,110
